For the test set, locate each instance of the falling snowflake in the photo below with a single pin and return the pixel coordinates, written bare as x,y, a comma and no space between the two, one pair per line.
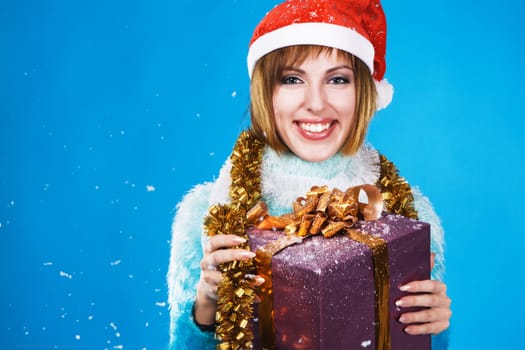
116,262
65,274
366,343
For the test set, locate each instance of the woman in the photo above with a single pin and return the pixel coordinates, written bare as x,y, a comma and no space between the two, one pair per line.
316,71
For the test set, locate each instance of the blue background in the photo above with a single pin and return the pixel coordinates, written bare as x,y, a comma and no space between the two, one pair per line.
111,110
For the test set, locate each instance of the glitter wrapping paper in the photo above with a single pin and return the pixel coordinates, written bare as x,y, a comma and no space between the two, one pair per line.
324,293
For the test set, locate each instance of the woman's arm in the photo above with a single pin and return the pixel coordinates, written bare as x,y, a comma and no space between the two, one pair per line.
184,271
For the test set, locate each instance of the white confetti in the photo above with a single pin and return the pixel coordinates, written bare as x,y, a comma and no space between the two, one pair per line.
366,343
77,337
65,274
234,93
161,303
150,188
49,263
116,262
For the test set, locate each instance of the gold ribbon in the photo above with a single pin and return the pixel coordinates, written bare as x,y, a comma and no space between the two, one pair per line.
328,213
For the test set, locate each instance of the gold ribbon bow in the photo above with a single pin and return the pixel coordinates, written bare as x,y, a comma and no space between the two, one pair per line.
324,212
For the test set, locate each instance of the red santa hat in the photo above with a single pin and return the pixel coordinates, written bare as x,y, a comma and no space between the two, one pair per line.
355,26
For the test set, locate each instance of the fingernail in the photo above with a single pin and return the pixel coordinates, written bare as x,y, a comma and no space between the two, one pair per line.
399,302
239,240
404,288
247,255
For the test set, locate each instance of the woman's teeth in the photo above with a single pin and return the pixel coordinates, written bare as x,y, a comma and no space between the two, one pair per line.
314,127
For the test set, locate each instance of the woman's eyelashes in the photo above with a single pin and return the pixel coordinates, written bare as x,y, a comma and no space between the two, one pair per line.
290,80
339,79
336,80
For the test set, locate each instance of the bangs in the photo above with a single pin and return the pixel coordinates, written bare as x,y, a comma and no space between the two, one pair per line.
297,54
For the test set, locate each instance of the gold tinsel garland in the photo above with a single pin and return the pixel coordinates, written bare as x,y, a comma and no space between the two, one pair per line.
397,194
235,294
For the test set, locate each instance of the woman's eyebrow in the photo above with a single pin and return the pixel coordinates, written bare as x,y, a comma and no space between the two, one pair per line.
295,69
343,66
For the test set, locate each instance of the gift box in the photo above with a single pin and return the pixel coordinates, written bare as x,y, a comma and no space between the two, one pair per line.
324,294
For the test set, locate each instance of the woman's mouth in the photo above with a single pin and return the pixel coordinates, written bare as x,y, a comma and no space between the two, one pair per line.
314,127
315,131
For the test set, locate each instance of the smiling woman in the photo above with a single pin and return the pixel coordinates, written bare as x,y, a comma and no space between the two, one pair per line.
317,77
111,110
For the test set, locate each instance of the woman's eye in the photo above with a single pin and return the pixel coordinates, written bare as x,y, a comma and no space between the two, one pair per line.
290,79
339,80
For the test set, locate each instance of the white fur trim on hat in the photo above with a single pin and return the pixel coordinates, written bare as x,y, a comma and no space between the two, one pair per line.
385,92
324,34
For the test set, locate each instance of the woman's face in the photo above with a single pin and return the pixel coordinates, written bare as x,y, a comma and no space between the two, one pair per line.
314,105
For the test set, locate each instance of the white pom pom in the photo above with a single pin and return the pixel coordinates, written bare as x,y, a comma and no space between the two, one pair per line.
385,91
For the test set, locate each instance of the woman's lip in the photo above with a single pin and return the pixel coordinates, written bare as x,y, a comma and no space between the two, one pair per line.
312,134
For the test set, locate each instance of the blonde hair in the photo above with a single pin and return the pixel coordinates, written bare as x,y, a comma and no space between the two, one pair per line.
267,74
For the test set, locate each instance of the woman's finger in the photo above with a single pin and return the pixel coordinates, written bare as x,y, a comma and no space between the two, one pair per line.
426,286
424,300
256,280
223,241
425,316
222,256
428,328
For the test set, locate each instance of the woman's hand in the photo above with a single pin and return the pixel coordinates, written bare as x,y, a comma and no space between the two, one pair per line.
219,250
434,319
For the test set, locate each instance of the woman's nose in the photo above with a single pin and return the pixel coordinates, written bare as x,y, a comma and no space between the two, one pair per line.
315,98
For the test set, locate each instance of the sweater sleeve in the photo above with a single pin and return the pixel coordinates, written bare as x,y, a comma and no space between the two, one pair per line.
184,270
427,214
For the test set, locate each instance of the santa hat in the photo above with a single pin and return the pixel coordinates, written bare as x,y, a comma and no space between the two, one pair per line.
354,26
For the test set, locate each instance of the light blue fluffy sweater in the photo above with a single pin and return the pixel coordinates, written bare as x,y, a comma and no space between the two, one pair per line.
284,178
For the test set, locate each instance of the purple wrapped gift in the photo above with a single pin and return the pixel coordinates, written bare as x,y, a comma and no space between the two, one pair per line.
323,288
